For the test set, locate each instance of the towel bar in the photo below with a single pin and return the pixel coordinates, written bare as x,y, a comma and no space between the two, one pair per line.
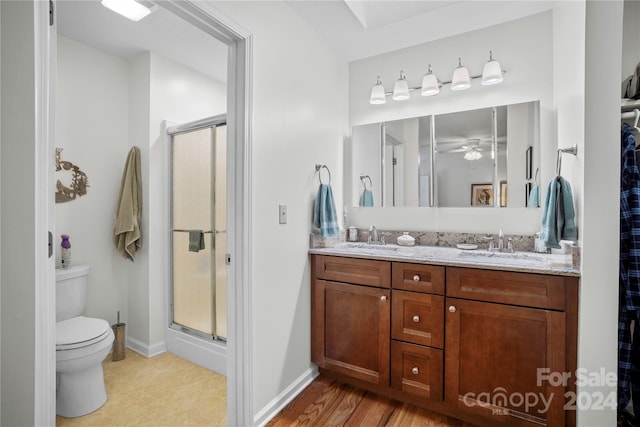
186,231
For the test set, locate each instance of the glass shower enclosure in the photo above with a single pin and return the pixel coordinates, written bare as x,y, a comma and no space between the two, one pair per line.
198,230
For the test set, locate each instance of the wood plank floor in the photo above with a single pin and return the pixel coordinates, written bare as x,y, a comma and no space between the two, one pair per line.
328,403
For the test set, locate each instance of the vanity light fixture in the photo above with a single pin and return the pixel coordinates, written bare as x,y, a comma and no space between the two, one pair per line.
460,79
401,88
378,95
130,9
430,84
492,72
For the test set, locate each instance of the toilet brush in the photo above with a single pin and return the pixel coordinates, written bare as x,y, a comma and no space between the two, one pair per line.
118,343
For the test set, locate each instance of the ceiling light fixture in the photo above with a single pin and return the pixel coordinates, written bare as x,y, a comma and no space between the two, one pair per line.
401,88
492,74
130,9
377,93
472,154
430,84
460,79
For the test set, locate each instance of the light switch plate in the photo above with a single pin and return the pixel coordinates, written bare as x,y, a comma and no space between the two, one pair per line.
282,214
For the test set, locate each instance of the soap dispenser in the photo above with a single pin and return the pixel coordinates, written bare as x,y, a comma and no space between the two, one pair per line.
406,239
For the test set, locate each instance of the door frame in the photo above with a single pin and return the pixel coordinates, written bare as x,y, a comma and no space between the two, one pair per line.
239,115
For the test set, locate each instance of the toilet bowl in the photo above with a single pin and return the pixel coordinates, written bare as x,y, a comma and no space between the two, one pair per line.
80,386
82,343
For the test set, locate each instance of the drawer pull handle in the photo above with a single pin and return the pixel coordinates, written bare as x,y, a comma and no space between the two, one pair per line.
416,319
383,298
415,370
452,309
416,278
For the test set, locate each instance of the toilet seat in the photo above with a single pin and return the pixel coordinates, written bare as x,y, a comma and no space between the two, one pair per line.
80,332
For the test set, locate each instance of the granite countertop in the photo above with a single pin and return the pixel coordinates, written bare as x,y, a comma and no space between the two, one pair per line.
527,262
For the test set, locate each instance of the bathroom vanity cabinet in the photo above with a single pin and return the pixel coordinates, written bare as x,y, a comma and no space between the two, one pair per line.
475,344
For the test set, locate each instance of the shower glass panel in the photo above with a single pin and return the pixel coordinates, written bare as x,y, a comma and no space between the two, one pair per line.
199,276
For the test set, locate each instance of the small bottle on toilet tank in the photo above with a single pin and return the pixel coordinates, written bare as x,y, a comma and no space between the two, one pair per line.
65,252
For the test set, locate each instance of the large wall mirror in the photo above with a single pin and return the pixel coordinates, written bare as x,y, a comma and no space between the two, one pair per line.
487,157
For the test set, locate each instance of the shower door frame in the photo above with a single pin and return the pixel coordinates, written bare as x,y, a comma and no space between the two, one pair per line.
173,131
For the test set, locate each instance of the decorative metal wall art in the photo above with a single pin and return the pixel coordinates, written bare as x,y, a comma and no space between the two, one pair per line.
79,180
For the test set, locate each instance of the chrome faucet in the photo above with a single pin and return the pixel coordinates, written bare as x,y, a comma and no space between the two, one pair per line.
500,246
373,236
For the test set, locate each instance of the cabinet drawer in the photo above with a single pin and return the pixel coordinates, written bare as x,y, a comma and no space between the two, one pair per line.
417,318
418,277
525,289
417,370
353,270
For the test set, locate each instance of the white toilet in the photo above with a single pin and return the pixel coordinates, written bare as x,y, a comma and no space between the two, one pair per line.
82,343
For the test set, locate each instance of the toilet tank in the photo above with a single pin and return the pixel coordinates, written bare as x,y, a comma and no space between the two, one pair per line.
71,291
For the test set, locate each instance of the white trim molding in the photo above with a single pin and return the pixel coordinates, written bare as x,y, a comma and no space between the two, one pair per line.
280,401
144,349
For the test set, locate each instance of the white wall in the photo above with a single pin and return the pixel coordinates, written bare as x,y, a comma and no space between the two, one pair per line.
105,106
597,343
92,118
299,119
524,48
18,254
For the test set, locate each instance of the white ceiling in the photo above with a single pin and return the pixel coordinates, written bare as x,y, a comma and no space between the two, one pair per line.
355,28
363,28
162,32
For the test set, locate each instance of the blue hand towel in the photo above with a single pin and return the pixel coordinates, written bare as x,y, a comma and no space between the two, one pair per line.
324,212
558,221
196,240
534,197
367,198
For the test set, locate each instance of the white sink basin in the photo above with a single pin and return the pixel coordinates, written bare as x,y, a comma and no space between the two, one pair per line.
515,258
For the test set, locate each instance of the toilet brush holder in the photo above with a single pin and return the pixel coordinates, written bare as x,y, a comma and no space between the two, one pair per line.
118,342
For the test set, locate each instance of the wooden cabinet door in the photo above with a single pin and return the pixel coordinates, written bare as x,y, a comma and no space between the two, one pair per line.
350,325
492,356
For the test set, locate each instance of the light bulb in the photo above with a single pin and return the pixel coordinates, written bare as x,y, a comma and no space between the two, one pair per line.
378,95
492,72
460,79
430,84
401,88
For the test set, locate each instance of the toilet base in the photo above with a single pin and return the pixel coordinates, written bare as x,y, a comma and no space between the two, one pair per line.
79,393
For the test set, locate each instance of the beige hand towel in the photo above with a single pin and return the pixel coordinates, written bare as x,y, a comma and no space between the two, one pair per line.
127,233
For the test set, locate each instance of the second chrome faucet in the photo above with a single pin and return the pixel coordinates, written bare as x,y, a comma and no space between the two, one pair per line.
500,247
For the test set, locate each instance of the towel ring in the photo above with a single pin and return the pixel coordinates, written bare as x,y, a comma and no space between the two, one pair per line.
571,150
318,169
364,183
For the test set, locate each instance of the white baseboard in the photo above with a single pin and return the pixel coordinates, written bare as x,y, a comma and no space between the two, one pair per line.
144,349
208,354
280,401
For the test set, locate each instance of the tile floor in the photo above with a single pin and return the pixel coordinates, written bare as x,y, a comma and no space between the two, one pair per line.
161,391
